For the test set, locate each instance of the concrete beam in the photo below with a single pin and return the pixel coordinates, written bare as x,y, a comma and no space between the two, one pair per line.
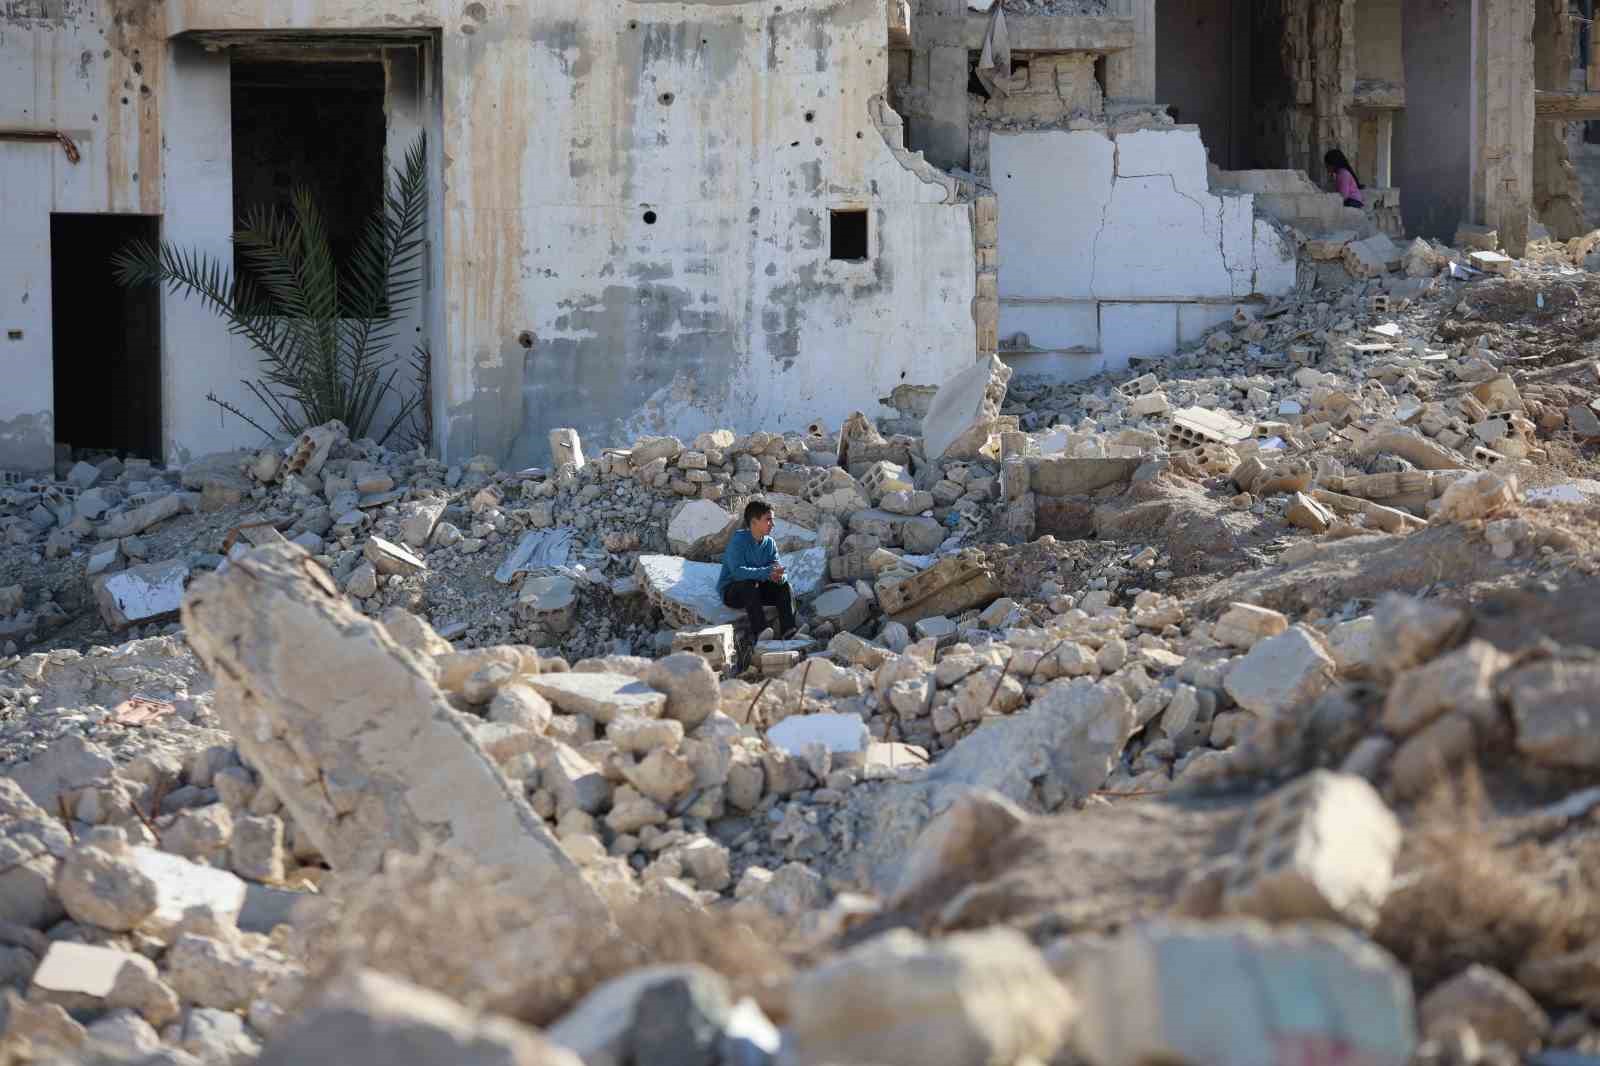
1566,106
1042,33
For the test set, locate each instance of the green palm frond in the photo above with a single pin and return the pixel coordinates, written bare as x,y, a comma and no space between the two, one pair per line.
324,331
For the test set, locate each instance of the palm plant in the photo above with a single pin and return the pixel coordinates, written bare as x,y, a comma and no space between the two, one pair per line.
325,332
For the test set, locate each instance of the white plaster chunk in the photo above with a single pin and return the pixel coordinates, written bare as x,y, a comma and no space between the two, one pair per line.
696,521
836,732
181,884
141,593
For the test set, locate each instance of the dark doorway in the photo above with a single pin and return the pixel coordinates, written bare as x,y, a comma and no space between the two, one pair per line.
317,124
107,339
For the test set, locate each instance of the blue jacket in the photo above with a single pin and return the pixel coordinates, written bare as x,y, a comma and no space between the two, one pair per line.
746,559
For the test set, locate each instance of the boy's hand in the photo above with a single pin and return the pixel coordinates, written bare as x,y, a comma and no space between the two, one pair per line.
777,572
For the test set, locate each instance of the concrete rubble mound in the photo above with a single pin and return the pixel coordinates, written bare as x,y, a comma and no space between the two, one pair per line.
1265,670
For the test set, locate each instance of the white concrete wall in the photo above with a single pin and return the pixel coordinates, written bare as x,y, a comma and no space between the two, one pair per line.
1113,246
555,141
97,79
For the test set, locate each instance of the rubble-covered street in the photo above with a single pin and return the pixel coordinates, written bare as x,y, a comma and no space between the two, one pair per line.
1240,708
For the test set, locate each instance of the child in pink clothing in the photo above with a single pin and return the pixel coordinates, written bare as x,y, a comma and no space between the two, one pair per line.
1344,177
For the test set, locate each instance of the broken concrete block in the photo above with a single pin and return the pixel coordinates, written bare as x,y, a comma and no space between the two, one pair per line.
312,447
549,601
1064,476
419,519
1306,513
961,418
1411,631
84,977
1194,427
142,518
390,558
1151,403
1409,445
977,997
948,587
1245,625
1373,257
1330,246
364,1018
1492,263
378,759
1320,848
714,644
1271,996
1281,673
1555,706
686,592
696,525
680,1012
842,606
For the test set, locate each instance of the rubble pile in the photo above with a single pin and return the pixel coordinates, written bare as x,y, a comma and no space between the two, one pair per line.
1103,691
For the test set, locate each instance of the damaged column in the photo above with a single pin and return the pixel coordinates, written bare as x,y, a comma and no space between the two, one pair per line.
352,733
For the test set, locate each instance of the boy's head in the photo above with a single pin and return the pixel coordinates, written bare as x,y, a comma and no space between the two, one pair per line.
758,518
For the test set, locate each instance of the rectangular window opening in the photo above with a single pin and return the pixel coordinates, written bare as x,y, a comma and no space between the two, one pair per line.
317,124
847,234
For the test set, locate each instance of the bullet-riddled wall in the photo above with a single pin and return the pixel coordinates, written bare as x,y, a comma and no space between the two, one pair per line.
638,211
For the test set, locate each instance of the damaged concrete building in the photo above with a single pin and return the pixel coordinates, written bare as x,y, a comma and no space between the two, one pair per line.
669,217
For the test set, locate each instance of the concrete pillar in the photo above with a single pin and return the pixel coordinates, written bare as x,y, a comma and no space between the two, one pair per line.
1383,155
1131,74
1503,89
944,129
1557,193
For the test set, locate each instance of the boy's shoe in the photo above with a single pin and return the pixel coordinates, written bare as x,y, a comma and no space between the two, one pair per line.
766,634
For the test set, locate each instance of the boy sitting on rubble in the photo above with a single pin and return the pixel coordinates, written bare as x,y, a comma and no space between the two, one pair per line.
752,577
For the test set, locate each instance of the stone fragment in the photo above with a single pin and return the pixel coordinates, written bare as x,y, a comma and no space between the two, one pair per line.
640,736
362,582
1477,495
1303,993
1555,707
222,974
690,685
839,733
1409,631
65,766
1320,848
842,606
948,587
1496,1007
1306,513
549,601
601,696
218,1037
961,418
392,559
976,997
256,851
1245,625
141,594
364,1018
566,448
182,885
379,758
1462,681
673,1015
696,525
419,521
1281,673
1372,257
312,447
85,977
105,888
142,518
576,783
1492,262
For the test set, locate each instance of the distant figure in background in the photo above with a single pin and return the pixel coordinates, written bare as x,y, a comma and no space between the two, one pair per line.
1344,177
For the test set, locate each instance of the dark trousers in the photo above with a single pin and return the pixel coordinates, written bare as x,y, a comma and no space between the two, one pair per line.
1350,201
752,596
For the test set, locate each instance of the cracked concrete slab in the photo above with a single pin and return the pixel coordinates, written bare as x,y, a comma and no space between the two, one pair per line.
349,729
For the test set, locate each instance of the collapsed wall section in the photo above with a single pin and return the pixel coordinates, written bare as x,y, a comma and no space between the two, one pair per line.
1113,245
656,216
